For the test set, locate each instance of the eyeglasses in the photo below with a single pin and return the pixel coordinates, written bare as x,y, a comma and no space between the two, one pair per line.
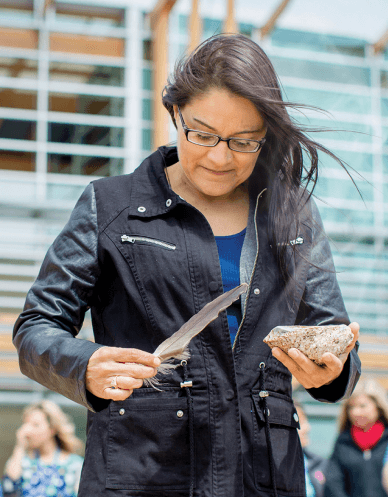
205,139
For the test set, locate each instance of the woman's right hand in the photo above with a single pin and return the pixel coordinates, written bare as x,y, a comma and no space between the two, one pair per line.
113,372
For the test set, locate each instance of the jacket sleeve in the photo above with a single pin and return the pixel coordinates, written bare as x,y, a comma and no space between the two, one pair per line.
322,304
45,332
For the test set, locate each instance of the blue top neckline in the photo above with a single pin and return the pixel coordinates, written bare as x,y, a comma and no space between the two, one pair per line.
242,233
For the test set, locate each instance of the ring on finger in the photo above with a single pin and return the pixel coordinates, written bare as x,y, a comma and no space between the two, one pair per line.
113,383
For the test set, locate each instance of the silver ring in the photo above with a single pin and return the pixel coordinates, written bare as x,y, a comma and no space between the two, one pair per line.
113,383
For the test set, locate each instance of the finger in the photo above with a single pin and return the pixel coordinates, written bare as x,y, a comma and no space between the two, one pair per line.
117,394
332,362
286,360
125,383
133,370
355,329
135,356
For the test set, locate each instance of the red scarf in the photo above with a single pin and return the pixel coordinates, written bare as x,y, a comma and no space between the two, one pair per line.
365,440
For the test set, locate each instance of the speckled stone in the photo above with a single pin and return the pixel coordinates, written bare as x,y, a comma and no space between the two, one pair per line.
313,341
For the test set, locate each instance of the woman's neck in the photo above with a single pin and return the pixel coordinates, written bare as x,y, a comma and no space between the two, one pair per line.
47,451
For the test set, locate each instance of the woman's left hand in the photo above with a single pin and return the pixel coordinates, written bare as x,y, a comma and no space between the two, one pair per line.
307,372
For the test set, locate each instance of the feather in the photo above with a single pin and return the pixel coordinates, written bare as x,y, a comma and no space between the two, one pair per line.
176,346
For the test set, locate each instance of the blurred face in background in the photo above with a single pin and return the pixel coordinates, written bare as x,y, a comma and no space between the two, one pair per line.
37,430
304,428
363,412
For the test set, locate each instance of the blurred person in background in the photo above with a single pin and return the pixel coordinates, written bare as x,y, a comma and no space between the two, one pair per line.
355,467
44,461
385,471
315,465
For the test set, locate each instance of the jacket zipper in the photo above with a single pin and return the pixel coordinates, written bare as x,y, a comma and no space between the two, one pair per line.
151,241
253,271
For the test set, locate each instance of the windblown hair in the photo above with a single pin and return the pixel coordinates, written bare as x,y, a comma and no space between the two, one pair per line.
239,65
64,429
373,390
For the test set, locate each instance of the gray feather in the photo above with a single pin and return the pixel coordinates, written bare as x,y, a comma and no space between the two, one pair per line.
175,345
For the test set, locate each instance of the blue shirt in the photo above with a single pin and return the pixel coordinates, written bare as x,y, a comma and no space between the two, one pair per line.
229,252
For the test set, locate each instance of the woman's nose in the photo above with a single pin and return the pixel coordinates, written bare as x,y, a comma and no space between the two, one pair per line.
220,154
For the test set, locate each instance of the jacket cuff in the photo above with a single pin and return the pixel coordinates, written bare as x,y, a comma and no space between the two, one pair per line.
342,387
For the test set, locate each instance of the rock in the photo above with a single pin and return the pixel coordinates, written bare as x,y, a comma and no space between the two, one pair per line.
313,341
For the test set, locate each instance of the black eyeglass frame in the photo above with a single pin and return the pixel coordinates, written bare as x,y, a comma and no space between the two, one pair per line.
186,130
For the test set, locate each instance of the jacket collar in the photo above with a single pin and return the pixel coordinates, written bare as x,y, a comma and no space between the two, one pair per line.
151,194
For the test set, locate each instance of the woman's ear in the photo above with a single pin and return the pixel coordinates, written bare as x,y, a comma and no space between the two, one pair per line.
176,115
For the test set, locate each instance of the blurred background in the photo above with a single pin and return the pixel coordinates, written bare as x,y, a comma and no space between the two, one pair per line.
80,86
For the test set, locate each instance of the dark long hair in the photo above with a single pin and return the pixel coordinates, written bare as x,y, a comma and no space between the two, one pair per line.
236,63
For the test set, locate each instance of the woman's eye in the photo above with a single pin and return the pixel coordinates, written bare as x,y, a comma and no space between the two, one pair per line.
242,143
203,137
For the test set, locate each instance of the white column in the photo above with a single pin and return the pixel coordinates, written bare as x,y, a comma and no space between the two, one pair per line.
133,88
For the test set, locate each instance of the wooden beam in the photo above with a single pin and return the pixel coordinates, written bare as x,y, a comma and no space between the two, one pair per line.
230,25
381,43
195,26
270,24
159,25
162,6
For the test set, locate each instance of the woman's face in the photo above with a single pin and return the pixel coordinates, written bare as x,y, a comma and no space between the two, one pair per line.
362,411
218,171
37,429
304,428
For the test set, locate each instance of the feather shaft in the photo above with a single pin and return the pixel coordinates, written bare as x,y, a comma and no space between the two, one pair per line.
175,345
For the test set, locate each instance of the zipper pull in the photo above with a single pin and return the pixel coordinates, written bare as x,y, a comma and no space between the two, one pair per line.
126,238
297,241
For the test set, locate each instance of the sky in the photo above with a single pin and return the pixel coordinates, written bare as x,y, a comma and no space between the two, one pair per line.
364,19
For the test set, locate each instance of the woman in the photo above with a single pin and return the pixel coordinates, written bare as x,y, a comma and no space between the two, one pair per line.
355,467
146,251
43,462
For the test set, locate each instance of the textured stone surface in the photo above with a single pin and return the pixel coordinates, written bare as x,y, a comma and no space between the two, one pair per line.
313,341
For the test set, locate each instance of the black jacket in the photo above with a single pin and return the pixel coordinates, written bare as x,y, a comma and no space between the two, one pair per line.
142,287
354,473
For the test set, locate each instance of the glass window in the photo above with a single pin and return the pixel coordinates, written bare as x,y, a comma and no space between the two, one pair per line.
328,100
86,74
183,24
342,188
384,106
319,42
336,130
147,109
321,71
85,134
17,161
385,135
86,17
146,139
83,165
147,50
359,161
18,99
211,27
355,217
18,68
385,164
17,14
246,29
147,79
384,79
17,130
86,104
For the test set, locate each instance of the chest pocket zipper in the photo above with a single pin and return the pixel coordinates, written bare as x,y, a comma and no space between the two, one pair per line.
147,241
